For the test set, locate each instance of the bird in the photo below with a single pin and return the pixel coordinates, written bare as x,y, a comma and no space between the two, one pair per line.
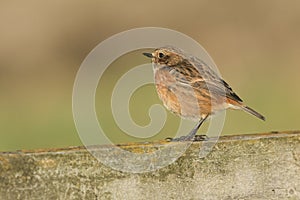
191,89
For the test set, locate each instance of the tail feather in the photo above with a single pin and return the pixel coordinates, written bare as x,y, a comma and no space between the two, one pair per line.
253,112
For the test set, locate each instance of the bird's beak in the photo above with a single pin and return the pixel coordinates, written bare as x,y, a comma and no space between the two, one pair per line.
149,55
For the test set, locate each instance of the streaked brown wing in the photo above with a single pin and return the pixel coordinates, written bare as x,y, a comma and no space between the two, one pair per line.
214,82
201,76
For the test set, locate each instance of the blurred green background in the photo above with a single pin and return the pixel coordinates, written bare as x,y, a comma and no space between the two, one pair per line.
255,45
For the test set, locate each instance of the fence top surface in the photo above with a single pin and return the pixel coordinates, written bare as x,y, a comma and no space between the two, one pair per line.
222,139
256,166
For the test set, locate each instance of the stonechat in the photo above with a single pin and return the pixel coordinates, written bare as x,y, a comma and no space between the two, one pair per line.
190,88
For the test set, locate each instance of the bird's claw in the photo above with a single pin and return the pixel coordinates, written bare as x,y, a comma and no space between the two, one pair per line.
187,138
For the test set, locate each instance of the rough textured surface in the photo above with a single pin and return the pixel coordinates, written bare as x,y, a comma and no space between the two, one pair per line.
262,166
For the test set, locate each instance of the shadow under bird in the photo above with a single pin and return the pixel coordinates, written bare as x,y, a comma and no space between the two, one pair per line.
191,89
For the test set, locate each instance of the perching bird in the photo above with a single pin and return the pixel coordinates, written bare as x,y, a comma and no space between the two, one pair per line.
190,88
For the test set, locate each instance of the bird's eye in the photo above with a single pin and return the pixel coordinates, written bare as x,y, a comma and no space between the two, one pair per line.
161,55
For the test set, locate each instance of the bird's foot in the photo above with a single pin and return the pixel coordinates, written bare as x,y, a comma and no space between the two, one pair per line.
200,138
188,138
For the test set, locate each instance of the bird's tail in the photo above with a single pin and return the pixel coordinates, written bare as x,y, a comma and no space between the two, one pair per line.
253,112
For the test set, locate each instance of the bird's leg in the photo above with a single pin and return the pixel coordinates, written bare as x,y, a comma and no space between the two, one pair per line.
192,133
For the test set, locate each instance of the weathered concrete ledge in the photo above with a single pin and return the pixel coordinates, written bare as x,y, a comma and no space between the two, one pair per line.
260,166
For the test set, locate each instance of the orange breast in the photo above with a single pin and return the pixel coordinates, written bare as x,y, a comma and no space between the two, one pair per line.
181,99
